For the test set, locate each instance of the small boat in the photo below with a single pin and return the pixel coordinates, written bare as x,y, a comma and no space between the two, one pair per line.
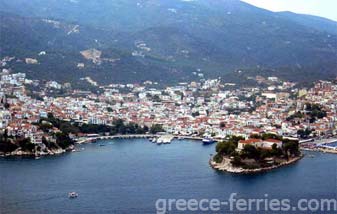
166,142
208,140
72,195
101,144
37,157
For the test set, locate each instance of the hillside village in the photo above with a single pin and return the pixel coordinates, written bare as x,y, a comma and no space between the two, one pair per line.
206,108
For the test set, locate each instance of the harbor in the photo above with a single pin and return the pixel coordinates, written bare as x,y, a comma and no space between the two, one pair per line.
157,138
322,145
104,172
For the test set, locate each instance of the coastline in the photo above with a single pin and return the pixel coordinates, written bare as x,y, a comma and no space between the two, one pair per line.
320,145
36,154
86,140
226,166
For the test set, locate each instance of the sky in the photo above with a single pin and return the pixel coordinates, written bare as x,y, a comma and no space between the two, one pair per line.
323,8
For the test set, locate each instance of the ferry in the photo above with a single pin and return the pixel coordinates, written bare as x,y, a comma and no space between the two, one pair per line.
208,140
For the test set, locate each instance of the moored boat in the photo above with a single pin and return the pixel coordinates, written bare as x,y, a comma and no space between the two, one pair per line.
208,140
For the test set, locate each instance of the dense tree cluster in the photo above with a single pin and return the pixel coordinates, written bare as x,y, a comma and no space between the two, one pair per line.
253,157
312,112
10,144
6,144
118,127
155,128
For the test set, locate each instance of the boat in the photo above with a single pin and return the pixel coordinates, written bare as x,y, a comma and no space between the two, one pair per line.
72,195
166,141
101,144
208,140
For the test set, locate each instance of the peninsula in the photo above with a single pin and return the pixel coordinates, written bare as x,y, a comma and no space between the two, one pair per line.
259,153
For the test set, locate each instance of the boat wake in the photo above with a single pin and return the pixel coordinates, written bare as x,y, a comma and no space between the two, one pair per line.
34,200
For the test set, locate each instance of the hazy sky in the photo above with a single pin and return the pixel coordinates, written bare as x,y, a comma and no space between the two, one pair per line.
324,8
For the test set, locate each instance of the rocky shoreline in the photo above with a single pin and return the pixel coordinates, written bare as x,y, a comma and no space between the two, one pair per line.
226,166
48,152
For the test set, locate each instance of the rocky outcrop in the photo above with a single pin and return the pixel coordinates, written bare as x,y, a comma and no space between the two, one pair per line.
227,166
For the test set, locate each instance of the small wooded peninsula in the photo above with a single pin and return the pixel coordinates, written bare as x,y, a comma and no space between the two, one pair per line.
258,153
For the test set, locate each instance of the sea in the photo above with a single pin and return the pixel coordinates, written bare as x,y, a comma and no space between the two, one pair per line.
137,176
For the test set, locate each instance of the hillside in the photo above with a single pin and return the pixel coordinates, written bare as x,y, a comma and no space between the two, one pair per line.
149,40
315,22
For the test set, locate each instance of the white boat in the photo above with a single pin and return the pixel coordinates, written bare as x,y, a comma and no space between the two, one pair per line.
72,195
167,141
208,140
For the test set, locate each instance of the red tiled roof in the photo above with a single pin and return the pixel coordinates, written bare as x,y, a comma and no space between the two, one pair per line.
251,140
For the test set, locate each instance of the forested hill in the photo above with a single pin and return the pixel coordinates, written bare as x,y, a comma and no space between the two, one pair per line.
164,41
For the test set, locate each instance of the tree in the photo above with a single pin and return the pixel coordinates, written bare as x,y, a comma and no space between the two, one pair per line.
155,128
236,161
266,136
251,151
6,145
26,144
235,139
291,147
195,114
63,140
6,105
218,158
225,148
304,133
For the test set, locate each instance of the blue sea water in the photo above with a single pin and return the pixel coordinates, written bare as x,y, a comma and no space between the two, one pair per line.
128,176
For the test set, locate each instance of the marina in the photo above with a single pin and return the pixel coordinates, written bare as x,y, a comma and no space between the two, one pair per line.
323,145
159,139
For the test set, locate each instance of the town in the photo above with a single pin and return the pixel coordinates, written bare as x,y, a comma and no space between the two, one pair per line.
205,108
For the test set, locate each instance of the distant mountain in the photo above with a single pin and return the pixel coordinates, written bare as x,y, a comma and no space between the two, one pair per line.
165,41
62,45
